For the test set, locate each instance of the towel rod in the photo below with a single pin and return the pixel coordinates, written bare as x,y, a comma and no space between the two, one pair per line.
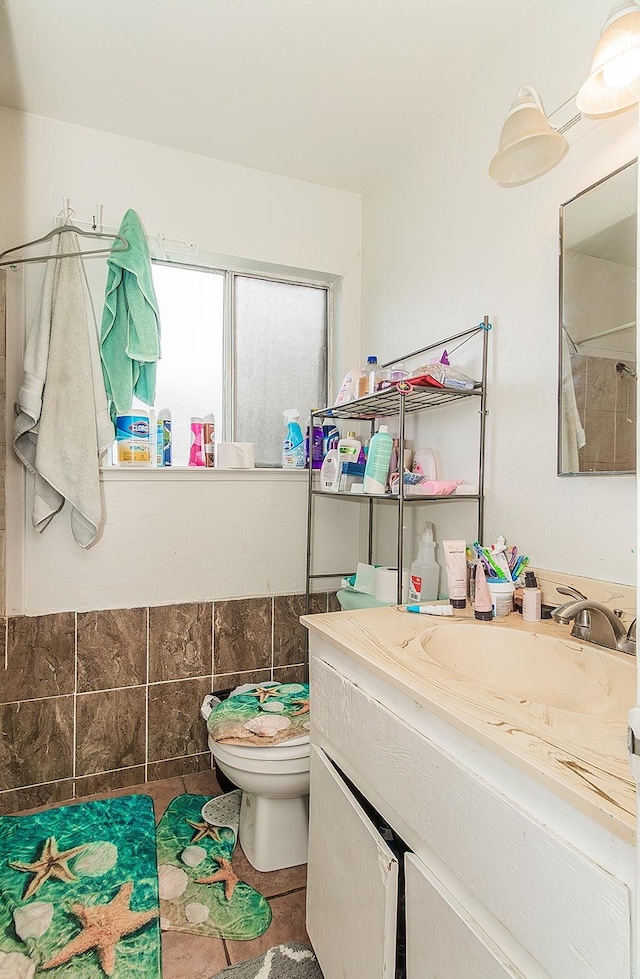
121,247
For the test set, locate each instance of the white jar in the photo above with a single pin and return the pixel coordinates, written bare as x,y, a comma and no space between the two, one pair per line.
501,597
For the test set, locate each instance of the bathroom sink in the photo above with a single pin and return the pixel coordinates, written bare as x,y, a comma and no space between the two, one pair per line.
558,673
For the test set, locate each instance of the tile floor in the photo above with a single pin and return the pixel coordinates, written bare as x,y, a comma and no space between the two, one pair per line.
195,957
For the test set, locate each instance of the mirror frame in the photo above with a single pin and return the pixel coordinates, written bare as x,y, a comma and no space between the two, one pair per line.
559,470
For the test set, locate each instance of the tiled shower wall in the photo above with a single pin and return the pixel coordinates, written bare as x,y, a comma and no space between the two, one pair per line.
606,401
97,700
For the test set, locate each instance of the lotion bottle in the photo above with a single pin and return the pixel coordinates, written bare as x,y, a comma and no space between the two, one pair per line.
378,459
531,599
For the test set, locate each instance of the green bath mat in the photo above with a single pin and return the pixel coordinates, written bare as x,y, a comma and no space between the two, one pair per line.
79,892
199,891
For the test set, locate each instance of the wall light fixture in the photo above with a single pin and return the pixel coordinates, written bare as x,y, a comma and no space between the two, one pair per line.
529,145
614,82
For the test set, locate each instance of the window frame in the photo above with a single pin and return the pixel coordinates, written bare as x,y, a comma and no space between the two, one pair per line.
232,271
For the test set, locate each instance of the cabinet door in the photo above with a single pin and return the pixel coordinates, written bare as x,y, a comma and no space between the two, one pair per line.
352,882
443,942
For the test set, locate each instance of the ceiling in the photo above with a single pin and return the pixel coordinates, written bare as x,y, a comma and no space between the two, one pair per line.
322,90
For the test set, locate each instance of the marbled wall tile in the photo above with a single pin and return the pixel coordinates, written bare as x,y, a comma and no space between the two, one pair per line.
41,657
174,767
625,444
288,633
601,383
229,681
289,674
180,641
37,742
333,605
598,426
112,649
35,796
109,781
110,730
242,635
175,725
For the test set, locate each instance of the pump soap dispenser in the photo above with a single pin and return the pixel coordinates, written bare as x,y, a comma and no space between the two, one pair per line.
425,570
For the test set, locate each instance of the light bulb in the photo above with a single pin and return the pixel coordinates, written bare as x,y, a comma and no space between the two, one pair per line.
622,69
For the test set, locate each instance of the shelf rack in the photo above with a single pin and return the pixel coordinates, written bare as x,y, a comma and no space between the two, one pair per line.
398,402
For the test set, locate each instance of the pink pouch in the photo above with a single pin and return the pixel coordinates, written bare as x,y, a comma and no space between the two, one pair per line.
434,487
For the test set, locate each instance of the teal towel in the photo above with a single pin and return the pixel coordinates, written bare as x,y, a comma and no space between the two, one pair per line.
130,333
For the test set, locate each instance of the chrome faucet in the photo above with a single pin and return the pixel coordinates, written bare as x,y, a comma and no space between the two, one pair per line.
595,622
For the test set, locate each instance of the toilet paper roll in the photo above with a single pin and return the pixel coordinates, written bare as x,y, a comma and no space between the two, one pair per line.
386,585
235,455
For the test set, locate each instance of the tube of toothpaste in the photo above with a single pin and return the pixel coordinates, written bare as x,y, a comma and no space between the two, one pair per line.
430,609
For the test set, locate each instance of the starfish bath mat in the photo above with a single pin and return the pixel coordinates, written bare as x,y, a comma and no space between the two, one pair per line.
79,892
199,890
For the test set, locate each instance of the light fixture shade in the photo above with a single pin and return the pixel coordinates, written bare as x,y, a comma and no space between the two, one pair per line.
529,145
614,82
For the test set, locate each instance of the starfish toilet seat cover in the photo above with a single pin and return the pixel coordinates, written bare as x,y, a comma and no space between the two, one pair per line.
263,714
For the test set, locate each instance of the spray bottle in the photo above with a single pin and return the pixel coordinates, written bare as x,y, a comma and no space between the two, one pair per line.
425,570
163,438
196,451
209,435
293,453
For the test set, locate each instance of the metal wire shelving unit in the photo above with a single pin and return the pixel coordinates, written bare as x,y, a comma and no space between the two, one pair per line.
397,402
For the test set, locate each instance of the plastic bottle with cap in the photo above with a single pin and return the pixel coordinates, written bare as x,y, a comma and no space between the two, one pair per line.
531,599
293,452
425,570
379,456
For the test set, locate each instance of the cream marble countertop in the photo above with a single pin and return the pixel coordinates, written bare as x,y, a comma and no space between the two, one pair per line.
549,705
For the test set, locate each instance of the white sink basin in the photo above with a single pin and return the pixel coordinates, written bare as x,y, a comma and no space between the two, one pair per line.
533,669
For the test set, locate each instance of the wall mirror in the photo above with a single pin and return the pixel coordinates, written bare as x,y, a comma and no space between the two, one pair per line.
597,368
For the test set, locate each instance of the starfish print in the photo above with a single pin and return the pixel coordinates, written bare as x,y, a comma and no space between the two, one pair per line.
203,830
52,863
303,708
226,873
262,693
103,925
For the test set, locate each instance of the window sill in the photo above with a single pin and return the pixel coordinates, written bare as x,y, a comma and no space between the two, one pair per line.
193,473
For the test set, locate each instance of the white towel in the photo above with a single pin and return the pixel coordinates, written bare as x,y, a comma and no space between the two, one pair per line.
62,419
573,434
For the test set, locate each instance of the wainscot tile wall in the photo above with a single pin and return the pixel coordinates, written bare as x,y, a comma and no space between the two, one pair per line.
92,701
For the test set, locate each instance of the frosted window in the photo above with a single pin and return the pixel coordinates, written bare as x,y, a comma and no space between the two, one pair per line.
190,372
280,359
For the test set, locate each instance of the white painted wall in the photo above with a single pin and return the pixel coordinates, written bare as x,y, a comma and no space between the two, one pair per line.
443,244
177,539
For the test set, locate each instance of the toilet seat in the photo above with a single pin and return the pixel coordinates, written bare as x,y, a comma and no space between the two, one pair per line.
285,751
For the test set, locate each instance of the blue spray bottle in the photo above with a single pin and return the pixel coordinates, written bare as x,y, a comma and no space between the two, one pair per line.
293,451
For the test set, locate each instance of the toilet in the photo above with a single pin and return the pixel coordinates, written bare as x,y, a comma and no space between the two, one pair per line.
274,814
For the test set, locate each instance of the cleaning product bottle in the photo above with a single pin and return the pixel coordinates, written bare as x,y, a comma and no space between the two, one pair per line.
349,448
196,451
425,570
209,441
330,472
163,438
313,445
350,387
378,459
371,371
293,454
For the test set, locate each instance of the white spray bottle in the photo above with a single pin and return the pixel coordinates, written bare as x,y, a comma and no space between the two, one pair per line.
425,570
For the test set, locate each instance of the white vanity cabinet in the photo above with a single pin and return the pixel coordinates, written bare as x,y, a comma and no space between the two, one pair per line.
496,885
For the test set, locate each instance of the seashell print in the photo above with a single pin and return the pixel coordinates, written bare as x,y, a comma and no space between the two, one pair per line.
172,881
266,726
196,913
165,924
15,965
96,859
307,725
290,688
272,706
33,920
193,855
